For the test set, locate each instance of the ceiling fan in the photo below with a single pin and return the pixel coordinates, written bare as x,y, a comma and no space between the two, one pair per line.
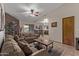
30,12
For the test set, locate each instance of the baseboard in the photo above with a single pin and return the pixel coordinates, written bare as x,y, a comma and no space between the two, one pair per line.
58,42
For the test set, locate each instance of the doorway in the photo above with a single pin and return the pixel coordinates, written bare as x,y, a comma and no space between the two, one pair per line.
68,30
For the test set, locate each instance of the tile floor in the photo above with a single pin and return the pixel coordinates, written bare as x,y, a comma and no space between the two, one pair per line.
65,50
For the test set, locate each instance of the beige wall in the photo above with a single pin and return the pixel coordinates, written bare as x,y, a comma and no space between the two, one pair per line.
2,33
0,15
64,11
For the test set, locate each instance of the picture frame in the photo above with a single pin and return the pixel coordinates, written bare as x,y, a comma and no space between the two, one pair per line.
54,24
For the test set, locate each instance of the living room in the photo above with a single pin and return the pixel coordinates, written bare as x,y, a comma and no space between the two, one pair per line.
39,29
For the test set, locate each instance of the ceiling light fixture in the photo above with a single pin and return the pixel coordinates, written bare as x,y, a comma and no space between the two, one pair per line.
32,12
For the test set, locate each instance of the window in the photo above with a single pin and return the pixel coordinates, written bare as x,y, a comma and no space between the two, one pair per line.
26,28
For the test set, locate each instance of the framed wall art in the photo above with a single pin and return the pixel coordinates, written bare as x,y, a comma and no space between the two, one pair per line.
54,24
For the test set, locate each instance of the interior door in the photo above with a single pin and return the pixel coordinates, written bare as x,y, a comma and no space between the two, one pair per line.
68,30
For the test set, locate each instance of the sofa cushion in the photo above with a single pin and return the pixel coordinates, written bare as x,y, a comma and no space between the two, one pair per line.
30,39
9,36
16,38
10,40
24,46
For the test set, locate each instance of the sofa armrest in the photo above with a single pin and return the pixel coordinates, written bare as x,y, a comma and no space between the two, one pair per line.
41,52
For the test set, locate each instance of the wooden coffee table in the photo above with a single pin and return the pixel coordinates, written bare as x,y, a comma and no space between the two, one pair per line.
44,42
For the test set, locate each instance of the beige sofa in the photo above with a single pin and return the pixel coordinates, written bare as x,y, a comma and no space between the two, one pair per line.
21,48
29,37
11,48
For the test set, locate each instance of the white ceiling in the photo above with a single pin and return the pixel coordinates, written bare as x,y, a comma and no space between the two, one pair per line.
17,10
